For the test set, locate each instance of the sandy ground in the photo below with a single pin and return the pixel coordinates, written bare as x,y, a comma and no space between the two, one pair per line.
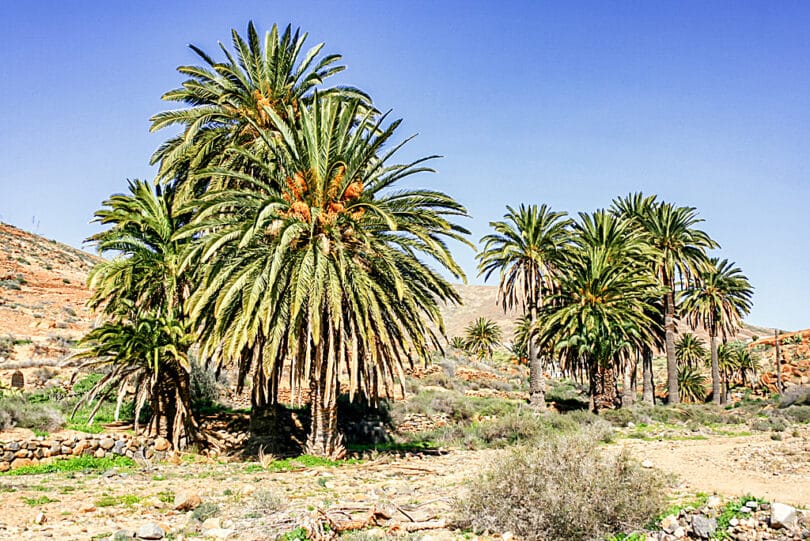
259,504
735,466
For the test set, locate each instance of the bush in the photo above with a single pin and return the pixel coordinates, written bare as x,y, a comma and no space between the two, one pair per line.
17,411
562,488
204,386
7,346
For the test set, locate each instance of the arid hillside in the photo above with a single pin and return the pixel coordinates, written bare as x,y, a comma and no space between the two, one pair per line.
43,295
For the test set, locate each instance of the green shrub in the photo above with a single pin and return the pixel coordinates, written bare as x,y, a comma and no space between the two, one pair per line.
562,488
205,511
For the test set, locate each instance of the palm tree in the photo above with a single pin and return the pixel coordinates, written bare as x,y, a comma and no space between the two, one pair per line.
634,207
526,249
690,350
598,312
314,261
141,289
680,253
150,354
227,102
146,268
481,337
717,301
691,384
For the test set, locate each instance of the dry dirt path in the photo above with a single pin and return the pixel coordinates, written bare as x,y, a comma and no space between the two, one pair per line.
735,466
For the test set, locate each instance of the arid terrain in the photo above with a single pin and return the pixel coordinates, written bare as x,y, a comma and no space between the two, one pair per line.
43,312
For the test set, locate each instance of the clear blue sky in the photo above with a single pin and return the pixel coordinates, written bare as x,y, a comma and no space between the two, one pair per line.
705,103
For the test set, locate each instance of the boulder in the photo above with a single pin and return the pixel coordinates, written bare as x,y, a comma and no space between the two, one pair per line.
783,516
162,444
703,527
187,501
669,524
150,531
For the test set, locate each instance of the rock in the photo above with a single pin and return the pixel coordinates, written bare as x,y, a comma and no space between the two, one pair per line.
22,462
13,446
123,535
703,527
669,523
119,447
220,533
150,531
783,516
795,395
40,518
753,505
714,502
162,444
647,464
5,466
213,523
87,508
187,501
99,453
107,444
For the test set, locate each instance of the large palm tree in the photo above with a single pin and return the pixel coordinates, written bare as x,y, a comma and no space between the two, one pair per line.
526,250
315,262
680,255
227,102
717,301
634,207
598,312
481,337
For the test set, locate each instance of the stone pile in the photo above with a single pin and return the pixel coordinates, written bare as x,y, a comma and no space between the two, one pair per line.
417,422
16,454
753,522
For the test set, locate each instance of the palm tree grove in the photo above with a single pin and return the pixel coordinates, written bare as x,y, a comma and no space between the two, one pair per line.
278,339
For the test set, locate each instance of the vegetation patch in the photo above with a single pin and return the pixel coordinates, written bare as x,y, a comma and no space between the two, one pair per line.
41,500
563,488
76,464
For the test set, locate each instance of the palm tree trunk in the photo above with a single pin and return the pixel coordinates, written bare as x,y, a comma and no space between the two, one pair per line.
537,385
603,387
648,385
628,382
672,364
715,371
324,439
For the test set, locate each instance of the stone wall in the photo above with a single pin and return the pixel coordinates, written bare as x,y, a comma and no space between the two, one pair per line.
40,450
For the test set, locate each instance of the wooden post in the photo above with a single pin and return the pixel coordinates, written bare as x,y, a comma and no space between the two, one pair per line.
779,387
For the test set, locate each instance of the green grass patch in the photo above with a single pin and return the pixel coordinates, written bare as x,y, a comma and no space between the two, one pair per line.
300,462
732,510
76,464
41,500
107,500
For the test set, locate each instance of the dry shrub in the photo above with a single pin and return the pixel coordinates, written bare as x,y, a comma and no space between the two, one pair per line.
17,411
563,488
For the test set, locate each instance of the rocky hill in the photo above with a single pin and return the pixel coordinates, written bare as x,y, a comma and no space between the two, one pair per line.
43,296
